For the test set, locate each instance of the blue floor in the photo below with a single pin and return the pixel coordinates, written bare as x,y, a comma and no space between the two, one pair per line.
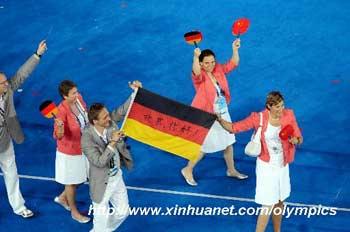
300,48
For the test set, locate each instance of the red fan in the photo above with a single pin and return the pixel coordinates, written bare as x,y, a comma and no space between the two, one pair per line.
240,26
48,109
286,132
193,37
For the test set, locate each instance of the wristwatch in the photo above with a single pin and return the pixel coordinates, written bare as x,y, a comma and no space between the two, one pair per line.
36,53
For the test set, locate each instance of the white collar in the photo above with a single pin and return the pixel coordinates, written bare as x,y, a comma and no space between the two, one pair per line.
104,133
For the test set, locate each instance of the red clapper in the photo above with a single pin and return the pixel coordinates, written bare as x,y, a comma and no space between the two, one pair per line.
286,132
240,26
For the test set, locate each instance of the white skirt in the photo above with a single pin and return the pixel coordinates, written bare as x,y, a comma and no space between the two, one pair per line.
70,169
218,138
272,183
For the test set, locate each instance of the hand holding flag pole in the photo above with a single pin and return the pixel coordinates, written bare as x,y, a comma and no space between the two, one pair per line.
134,85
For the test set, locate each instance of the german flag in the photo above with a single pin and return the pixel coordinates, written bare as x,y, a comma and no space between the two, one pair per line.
193,37
166,124
48,109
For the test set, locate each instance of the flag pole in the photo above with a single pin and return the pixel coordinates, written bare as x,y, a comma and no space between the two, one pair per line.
133,95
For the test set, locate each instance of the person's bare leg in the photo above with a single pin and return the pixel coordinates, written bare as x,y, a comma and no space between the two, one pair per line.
263,219
70,193
63,198
277,218
230,163
228,157
187,171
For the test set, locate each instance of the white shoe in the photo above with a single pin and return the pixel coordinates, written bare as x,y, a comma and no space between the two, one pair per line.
57,200
238,175
188,181
26,213
83,219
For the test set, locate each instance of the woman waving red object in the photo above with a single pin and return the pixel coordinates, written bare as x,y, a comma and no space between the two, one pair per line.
272,166
240,26
213,96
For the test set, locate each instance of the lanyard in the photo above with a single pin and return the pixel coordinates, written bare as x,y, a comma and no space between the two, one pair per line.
111,161
82,113
219,90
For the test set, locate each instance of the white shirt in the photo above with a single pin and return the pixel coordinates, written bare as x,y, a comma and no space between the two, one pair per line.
274,145
2,102
220,105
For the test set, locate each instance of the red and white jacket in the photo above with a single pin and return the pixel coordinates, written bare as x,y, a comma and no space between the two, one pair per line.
253,121
70,142
205,90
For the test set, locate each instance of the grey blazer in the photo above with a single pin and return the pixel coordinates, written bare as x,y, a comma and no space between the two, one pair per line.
11,121
99,154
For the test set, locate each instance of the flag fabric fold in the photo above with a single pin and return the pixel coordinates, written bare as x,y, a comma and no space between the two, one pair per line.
166,124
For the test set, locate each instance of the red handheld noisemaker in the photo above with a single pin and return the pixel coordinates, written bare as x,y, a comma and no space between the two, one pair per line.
240,26
286,132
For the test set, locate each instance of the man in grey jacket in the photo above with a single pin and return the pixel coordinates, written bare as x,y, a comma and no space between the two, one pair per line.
104,146
10,129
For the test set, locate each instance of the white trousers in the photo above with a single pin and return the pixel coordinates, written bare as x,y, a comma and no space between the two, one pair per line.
108,219
9,169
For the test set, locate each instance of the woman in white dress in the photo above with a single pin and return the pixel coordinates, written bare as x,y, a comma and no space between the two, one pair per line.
71,164
213,96
277,152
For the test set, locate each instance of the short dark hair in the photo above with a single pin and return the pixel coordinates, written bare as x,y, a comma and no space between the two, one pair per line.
94,111
204,53
273,98
65,86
